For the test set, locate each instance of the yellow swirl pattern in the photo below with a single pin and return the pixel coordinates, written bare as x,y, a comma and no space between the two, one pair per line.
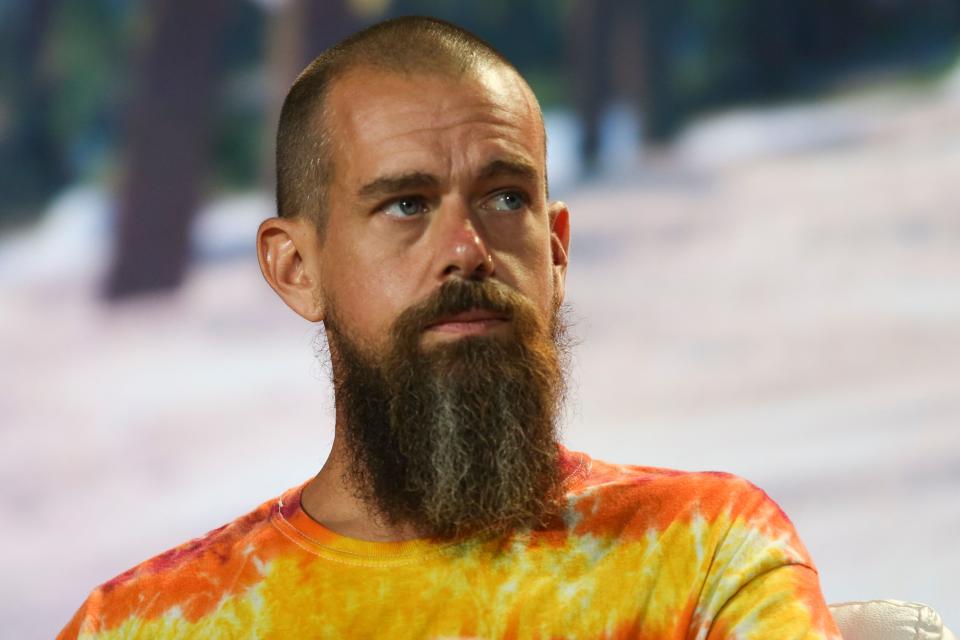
641,553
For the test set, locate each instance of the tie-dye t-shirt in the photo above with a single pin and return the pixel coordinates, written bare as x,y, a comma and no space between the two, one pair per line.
641,552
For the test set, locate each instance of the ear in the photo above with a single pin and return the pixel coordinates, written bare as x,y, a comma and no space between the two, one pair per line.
559,243
288,250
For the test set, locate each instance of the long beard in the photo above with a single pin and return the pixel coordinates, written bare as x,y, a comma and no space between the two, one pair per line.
460,438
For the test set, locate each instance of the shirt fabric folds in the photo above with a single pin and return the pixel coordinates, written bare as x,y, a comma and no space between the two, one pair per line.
640,552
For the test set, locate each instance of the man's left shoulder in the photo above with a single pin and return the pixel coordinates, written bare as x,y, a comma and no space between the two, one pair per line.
700,487
658,497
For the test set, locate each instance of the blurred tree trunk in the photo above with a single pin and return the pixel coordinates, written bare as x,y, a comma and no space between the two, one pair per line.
591,24
620,51
298,31
772,44
663,110
284,55
32,157
167,134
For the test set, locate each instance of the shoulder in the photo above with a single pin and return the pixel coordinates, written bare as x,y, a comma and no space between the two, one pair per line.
711,538
212,551
705,490
642,499
197,572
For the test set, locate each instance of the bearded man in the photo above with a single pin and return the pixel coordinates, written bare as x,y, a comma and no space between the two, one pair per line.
414,223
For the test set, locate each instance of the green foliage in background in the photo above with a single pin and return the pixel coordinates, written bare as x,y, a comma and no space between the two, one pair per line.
60,65
530,33
238,127
62,101
723,53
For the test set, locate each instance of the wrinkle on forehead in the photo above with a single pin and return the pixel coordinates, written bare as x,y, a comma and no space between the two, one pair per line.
447,113
496,99
445,121
501,98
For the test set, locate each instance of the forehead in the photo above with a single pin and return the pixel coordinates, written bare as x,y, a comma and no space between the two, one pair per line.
389,121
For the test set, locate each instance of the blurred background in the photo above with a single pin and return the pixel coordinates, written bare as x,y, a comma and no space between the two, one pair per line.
765,267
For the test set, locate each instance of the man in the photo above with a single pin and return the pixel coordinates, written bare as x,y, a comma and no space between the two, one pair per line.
414,223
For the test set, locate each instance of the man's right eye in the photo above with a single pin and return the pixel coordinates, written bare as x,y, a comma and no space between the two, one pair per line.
405,207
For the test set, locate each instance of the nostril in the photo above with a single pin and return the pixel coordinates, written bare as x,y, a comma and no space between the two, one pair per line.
486,266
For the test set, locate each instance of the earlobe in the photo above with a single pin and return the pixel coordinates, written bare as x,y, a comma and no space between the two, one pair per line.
288,253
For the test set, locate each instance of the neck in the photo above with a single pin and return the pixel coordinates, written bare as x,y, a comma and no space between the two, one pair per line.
330,499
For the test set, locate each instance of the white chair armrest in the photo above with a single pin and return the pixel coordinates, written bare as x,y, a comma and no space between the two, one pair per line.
889,620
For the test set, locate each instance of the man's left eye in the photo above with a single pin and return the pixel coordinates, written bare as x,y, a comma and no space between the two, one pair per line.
507,201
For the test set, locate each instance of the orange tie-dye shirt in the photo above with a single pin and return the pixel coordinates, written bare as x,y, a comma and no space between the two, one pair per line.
642,552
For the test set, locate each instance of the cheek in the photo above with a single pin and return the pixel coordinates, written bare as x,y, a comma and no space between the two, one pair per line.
526,264
366,294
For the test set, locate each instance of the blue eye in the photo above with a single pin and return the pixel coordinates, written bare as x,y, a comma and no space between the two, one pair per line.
405,207
507,201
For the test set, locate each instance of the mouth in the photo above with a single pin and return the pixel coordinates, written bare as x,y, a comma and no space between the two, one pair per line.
472,322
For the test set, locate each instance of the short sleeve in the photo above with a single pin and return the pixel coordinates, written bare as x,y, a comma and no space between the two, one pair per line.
761,583
784,603
81,624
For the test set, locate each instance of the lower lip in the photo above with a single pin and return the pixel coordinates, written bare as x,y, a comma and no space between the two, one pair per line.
472,327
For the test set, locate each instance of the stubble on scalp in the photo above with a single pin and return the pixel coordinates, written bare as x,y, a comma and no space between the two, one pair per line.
459,438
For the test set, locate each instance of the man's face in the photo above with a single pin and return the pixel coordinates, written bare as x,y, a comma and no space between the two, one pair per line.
435,178
441,273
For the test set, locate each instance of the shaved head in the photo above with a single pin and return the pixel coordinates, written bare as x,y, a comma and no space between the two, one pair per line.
409,45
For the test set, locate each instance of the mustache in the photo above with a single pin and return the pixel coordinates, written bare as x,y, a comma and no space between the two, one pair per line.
458,296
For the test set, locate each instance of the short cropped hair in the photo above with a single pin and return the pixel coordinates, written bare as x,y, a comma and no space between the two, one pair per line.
411,44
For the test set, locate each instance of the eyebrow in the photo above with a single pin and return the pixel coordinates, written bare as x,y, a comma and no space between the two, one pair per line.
389,185
509,168
417,180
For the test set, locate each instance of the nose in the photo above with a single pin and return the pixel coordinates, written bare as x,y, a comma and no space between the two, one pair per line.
465,254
